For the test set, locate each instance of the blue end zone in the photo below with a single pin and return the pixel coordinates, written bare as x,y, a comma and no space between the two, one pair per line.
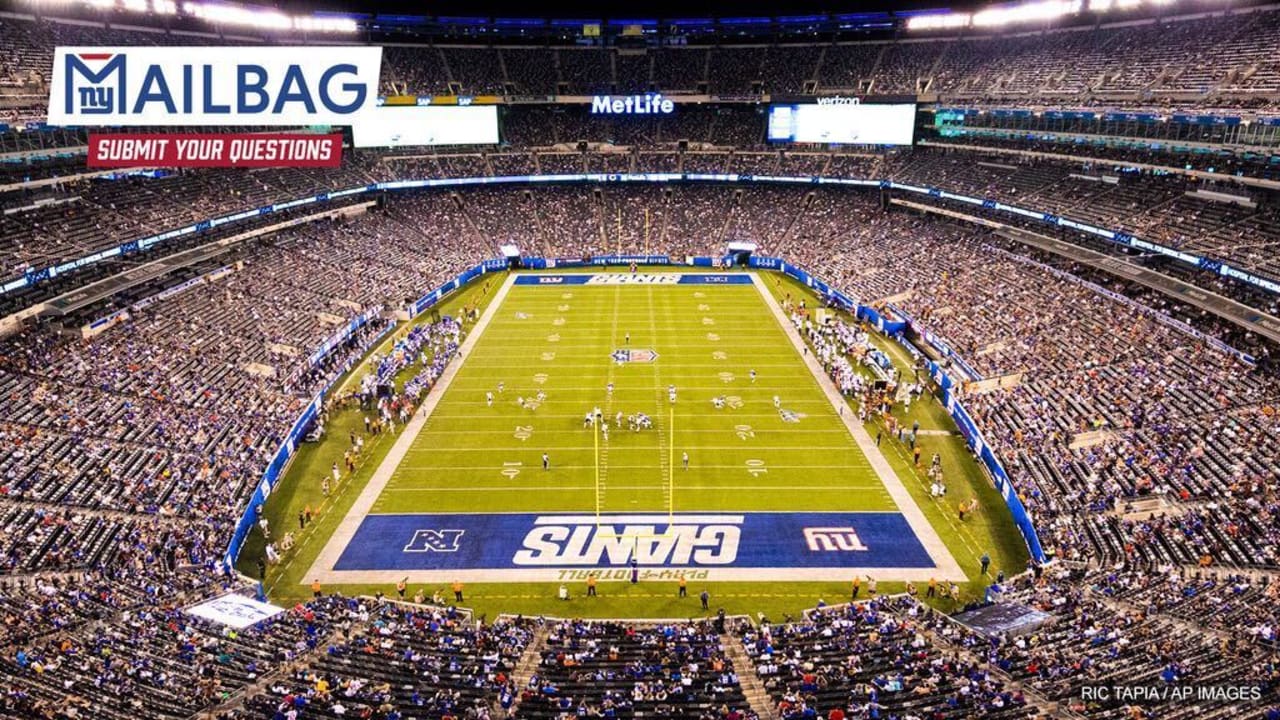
552,279
737,279
636,279
711,540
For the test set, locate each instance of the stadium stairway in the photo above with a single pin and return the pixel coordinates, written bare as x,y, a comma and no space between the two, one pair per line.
261,683
526,668
1048,708
757,697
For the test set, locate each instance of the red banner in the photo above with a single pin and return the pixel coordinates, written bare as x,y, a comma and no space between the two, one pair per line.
247,150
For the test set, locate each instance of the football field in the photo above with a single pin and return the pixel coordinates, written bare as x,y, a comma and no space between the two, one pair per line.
668,420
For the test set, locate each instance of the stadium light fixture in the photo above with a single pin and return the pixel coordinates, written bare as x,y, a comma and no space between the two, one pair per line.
325,24
223,14
226,14
232,15
1029,12
939,21
1039,11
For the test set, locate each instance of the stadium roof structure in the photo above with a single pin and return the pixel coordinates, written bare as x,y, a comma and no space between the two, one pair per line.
630,23
573,9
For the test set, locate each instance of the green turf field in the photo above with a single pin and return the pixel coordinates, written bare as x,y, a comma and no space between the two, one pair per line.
473,456
470,457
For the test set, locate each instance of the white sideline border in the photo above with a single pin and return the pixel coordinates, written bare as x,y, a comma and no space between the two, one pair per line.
945,567
322,568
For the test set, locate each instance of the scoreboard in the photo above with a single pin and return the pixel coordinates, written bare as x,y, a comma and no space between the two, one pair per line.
425,125
843,121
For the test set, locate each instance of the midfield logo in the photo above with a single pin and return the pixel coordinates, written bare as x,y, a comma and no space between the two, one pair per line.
633,356
435,541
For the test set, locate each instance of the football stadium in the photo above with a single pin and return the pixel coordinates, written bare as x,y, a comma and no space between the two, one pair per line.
464,361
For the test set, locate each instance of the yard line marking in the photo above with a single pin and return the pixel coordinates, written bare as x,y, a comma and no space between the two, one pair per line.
554,488
578,416
573,347
692,467
549,384
478,363
624,448
843,434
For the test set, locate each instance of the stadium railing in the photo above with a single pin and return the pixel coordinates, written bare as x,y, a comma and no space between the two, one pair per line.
1119,237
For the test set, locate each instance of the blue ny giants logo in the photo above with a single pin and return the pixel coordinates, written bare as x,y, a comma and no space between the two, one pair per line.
435,541
94,95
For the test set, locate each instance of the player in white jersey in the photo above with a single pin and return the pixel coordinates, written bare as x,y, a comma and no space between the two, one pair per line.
488,399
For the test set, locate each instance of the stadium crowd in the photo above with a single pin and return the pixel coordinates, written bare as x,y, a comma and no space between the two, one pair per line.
868,660
1145,452
608,669
1231,55
1094,638
1224,223
102,505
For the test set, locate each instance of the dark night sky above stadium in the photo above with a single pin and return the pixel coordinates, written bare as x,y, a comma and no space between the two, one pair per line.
615,9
